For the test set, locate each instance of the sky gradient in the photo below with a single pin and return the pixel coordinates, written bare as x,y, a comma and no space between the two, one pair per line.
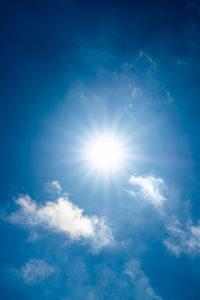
72,71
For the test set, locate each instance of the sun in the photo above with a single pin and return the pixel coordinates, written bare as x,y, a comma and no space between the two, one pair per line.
105,153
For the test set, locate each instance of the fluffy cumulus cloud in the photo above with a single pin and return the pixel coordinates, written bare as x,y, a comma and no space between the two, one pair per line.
143,289
148,188
35,270
64,217
183,239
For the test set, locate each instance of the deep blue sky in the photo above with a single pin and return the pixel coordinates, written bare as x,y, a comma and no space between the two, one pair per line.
68,69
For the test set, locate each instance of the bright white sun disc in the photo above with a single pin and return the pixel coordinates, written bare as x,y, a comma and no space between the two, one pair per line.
105,153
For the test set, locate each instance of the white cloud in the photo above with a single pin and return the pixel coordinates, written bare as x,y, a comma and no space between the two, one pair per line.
148,188
53,187
64,217
35,270
183,239
140,281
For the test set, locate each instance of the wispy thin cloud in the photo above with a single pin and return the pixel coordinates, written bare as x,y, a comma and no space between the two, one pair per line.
182,239
136,92
34,271
53,187
169,97
149,59
127,66
62,216
140,281
148,64
126,282
148,188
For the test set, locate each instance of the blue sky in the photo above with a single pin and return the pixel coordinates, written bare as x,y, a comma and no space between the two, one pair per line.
73,71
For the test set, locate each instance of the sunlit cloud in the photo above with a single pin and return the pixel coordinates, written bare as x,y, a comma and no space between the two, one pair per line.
148,188
63,216
34,271
182,239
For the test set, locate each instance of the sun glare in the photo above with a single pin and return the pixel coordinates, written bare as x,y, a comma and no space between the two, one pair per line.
105,153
